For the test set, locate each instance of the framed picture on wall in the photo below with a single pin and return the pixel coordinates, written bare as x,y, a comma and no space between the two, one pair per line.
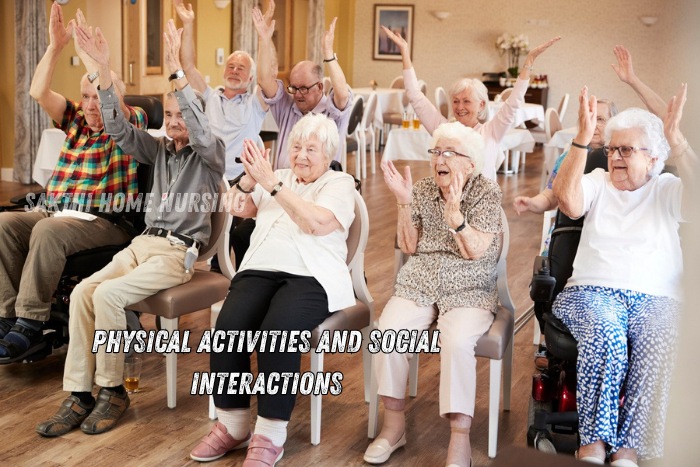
397,18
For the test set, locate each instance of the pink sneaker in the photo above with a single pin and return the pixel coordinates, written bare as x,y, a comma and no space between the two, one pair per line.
217,443
262,453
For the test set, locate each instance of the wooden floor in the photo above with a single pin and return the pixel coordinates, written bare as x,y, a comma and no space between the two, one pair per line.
151,434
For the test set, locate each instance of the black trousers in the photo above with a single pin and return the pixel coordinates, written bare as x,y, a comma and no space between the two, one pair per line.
267,301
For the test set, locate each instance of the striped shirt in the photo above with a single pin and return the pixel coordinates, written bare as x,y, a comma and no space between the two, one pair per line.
91,164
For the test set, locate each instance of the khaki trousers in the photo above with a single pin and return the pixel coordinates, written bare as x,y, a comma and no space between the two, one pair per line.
460,329
33,251
148,265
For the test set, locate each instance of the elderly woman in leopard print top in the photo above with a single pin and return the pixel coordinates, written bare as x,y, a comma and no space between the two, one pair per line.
450,224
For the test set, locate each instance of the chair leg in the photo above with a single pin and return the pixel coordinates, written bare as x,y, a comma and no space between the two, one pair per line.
372,152
373,418
316,368
212,409
507,375
367,362
413,375
170,325
494,402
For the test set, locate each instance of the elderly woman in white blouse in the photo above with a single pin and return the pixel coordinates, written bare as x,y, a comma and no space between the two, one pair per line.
291,278
469,103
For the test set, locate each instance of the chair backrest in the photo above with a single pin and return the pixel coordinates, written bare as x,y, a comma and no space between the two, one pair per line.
151,105
563,105
504,297
442,101
358,233
220,227
552,123
356,114
369,111
326,85
397,83
505,94
423,86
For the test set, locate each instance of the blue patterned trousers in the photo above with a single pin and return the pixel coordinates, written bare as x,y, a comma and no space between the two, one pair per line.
626,343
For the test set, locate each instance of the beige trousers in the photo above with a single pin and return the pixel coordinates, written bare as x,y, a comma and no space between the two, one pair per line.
460,329
33,251
148,265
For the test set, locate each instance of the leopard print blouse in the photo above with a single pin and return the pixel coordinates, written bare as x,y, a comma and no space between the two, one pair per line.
437,273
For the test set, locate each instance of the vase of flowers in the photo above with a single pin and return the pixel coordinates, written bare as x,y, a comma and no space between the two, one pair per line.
514,47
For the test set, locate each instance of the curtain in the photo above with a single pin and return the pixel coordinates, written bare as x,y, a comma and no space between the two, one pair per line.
30,119
244,36
316,20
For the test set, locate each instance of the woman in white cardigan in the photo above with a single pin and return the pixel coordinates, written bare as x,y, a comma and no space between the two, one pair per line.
469,103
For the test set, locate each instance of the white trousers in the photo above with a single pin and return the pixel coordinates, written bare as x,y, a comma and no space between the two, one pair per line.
460,329
146,266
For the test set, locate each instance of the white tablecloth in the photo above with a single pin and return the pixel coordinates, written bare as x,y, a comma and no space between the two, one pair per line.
526,112
409,144
50,147
555,146
388,100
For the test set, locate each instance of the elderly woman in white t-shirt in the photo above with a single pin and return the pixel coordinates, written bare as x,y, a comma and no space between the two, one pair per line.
470,99
292,276
622,302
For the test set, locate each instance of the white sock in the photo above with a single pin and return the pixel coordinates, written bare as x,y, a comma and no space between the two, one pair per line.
236,421
276,430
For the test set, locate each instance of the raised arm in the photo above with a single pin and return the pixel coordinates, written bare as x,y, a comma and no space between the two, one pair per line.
402,187
141,145
682,155
567,186
341,95
625,71
267,54
538,204
188,55
532,56
59,35
428,114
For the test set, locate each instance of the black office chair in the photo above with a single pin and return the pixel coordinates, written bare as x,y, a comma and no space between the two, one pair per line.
87,262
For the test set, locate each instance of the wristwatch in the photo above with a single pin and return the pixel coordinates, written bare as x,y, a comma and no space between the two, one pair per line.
179,74
93,76
335,57
458,229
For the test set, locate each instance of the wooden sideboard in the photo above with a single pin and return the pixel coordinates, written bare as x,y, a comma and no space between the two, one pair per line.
532,95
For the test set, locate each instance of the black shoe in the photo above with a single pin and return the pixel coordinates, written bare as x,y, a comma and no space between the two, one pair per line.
110,406
33,342
71,414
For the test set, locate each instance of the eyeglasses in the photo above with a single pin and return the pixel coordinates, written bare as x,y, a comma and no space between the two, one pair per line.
446,154
303,90
625,151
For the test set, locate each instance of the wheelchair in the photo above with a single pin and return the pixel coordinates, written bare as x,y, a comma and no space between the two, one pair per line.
84,263
552,414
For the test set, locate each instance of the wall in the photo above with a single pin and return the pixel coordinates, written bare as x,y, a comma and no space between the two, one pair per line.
344,45
463,44
213,31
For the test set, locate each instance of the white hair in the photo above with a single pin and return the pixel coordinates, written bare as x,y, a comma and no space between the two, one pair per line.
320,127
653,129
479,90
471,143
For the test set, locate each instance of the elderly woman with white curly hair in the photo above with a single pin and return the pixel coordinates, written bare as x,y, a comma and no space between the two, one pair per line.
291,278
622,303
450,224
470,101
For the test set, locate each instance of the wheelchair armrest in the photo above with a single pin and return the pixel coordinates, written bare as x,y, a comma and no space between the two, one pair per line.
542,284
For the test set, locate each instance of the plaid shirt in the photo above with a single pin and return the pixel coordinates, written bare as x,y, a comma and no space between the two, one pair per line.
91,164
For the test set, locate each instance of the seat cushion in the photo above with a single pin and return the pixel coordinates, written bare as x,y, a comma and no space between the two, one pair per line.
493,344
352,318
204,289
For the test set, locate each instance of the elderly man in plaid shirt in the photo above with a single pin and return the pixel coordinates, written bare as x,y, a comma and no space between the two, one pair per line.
35,244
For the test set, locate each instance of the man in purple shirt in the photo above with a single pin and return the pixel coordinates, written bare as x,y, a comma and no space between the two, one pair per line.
305,91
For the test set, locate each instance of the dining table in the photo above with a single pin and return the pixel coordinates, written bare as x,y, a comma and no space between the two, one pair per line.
413,144
526,112
553,148
388,100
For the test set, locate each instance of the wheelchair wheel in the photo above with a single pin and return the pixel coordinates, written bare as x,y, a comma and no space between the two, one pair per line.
544,444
